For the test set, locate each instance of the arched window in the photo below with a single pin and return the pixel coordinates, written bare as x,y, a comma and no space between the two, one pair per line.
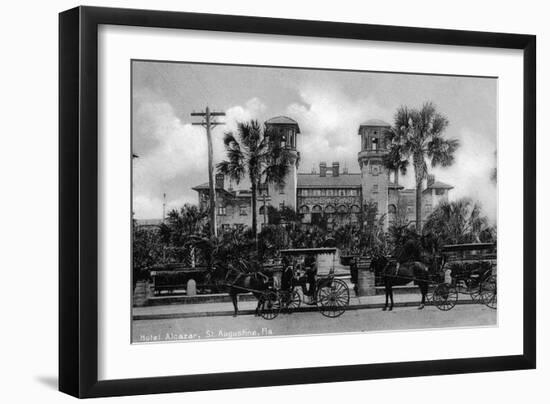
330,209
355,209
304,209
317,209
342,209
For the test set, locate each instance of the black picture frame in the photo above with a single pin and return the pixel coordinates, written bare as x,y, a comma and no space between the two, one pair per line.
78,200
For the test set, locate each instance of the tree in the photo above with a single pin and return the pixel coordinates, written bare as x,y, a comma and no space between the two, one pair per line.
417,136
255,153
179,232
181,224
146,250
396,159
458,222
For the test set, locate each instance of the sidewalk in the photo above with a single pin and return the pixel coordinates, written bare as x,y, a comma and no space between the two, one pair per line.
189,310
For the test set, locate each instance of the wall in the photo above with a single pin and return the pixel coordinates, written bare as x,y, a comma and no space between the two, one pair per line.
287,193
29,202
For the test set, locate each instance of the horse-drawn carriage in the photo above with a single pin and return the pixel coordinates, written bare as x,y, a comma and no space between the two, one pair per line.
458,269
313,271
467,269
307,275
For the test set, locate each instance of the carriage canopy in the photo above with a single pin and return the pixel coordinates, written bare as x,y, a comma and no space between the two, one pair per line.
325,257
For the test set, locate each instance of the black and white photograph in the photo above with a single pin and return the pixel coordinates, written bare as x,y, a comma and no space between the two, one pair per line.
272,201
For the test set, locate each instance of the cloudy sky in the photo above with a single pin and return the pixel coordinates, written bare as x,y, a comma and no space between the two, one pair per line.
329,106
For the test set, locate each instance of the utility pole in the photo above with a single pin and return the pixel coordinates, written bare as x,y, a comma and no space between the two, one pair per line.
208,123
264,197
163,207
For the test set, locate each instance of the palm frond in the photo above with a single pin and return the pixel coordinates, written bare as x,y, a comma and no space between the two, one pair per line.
442,151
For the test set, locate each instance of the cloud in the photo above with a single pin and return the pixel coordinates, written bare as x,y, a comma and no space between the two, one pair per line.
173,154
329,121
471,172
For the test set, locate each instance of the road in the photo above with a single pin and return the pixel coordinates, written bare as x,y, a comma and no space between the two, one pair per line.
311,323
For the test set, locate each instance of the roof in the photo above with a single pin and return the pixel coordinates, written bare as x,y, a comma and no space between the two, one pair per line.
205,185
468,247
299,251
375,122
439,184
282,120
307,180
148,222
393,185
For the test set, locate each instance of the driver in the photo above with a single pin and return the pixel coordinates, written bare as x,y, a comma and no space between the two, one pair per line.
311,270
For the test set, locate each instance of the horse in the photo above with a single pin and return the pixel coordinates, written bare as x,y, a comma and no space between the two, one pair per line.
237,282
397,275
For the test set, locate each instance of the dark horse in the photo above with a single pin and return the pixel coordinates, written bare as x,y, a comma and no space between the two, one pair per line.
395,274
238,282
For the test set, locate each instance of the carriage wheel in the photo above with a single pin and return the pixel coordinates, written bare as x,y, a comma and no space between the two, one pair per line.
474,290
291,300
488,294
270,305
445,297
333,298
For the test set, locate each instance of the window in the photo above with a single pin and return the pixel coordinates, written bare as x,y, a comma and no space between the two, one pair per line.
440,191
316,192
304,210
281,205
374,143
243,210
292,139
323,192
341,192
375,169
262,210
283,137
375,188
330,192
317,209
222,211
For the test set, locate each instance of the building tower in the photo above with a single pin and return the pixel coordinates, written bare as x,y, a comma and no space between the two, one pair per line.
286,195
375,177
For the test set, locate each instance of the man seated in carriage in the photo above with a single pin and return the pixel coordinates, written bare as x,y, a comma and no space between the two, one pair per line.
288,277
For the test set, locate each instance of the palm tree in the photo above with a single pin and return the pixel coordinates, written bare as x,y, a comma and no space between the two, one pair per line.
395,160
458,222
180,225
255,153
417,136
